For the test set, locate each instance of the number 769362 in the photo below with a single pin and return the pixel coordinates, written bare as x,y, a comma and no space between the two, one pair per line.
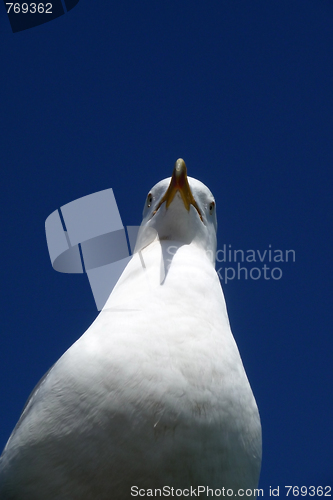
33,8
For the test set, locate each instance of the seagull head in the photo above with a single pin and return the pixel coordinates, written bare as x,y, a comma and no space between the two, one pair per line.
180,209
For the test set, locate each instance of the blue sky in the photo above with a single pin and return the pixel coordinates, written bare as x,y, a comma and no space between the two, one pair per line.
110,96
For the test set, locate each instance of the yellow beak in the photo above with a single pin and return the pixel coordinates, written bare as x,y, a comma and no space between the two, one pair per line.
179,182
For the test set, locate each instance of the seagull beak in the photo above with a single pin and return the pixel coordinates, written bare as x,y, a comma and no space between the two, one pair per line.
179,182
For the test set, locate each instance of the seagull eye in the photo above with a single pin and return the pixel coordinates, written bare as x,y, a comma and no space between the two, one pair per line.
149,199
211,207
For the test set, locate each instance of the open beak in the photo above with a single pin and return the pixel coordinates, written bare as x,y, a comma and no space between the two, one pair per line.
179,182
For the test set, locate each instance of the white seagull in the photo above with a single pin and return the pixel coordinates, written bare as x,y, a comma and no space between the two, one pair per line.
154,394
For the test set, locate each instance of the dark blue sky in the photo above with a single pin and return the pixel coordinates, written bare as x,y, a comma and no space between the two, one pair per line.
110,95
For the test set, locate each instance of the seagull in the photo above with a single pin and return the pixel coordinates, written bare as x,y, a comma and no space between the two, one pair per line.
154,394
